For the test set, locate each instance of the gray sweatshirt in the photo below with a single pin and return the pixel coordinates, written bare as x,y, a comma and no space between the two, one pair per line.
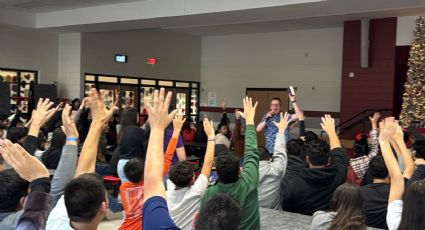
270,175
63,175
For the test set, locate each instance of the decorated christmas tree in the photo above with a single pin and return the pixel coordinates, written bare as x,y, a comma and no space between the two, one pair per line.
414,88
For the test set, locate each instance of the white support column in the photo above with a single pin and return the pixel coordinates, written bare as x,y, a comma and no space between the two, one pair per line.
69,71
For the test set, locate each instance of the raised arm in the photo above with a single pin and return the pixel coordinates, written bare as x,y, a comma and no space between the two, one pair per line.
407,158
297,109
39,203
374,134
280,158
96,102
158,120
301,118
209,153
328,125
387,131
178,122
39,118
68,161
250,172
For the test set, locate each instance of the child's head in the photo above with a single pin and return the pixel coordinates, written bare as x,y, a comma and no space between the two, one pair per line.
134,169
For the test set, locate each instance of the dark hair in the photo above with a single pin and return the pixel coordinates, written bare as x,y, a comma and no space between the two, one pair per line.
74,107
3,126
263,154
181,174
227,165
14,134
3,117
12,189
128,118
134,169
220,212
377,168
318,152
84,196
277,99
200,135
347,202
224,119
221,126
419,147
295,147
310,136
361,147
413,207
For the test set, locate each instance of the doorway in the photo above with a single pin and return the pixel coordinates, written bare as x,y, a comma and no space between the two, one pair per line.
264,96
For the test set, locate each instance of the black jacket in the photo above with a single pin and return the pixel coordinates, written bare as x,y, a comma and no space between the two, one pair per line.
311,190
132,144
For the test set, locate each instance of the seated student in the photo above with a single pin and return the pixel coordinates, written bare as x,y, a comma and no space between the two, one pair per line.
16,189
84,202
39,202
346,211
52,155
375,195
132,191
184,193
271,173
402,213
361,149
155,211
188,134
241,186
220,212
311,190
221,137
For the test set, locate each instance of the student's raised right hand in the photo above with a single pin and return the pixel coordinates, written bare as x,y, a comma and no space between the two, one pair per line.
249,110
209,128
68,125
328,124
178,122
28,167
158,109
283,122
96,102
42,114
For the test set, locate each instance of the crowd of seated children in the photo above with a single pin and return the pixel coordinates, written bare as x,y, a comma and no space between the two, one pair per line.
162,190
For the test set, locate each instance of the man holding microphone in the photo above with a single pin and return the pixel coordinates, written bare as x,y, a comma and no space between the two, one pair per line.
270,130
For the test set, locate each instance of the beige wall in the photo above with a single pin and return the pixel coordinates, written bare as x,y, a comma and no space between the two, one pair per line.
178,55
305,59
30,49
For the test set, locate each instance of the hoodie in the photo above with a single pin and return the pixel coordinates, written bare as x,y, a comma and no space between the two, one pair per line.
311,190
132,144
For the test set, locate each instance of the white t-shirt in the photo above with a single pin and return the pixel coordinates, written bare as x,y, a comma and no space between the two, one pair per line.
58,217
394,211
184,203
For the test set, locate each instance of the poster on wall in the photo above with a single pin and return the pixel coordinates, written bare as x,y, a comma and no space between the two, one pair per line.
212,98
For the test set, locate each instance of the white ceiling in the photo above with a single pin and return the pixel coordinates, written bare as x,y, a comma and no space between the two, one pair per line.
205,17
40,6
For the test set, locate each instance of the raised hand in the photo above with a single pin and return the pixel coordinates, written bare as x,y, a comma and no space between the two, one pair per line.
42,114
209,128
158,110
237,114
96,102
283,123
291,97
249,110
178,122
68,125
328,124
374,120
27,166
388,129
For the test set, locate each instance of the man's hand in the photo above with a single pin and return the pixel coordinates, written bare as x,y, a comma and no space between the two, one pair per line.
27,166
292,98
83,104
249,110
178,122
43,112
283,123
158,112
374,120
96,102
398,134
209,129
301,116
68,126
328,124
387,130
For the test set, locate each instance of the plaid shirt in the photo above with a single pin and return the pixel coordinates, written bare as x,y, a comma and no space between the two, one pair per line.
361,164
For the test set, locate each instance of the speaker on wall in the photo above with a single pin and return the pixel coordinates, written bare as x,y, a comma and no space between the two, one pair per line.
45,91
4,98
